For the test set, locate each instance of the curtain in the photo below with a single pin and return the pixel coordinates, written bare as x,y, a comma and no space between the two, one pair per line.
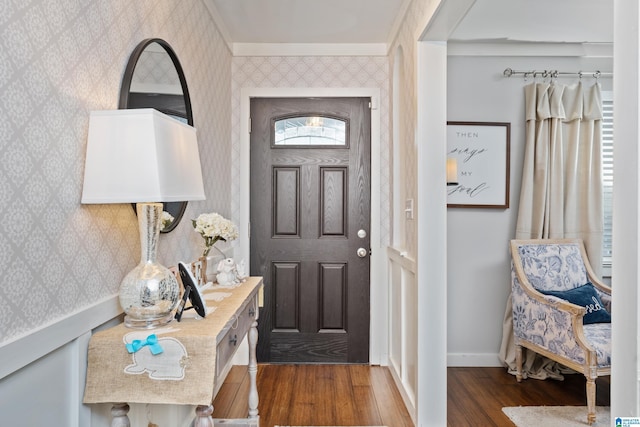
561,192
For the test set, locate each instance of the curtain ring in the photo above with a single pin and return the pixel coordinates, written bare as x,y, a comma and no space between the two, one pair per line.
580,75
597,75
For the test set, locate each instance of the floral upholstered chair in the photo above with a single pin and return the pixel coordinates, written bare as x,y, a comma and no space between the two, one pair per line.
545,276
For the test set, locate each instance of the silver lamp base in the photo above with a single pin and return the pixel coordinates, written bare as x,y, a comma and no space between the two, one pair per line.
150,292
146,324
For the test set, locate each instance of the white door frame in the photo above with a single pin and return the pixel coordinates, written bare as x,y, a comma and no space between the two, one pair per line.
378,354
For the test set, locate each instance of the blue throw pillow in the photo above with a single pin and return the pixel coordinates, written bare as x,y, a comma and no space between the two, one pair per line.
587,297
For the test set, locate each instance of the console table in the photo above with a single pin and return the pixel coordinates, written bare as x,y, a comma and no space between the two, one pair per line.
195,358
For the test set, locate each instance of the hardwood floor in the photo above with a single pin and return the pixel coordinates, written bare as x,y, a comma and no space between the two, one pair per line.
350,395
476,396
316,395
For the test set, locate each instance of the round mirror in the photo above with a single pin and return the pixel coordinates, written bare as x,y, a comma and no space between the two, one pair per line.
154,79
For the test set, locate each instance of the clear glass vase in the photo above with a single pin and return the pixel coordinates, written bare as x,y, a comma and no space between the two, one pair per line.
149,293
210,266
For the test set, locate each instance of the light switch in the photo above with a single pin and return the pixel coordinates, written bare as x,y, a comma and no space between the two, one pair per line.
408,209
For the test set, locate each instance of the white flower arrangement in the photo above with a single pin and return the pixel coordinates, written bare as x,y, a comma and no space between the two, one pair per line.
165,220
213,227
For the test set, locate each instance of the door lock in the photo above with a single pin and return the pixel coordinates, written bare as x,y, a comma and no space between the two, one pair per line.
362,252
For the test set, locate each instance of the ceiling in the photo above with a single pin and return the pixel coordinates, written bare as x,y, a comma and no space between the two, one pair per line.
554,21
308,21
376,21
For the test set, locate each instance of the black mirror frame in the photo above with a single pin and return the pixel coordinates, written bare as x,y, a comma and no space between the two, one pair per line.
176,208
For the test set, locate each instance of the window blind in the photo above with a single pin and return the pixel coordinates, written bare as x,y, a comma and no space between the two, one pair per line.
607,175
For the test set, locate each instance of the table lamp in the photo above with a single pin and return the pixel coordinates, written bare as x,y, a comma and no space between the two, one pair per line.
145,157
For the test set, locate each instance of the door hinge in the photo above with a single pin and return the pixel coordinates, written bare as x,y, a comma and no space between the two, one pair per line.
370,105
249,124
249,231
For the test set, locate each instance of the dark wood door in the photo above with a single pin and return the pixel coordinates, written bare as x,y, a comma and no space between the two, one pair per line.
310,214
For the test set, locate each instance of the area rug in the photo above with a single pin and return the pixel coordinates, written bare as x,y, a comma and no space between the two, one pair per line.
561,416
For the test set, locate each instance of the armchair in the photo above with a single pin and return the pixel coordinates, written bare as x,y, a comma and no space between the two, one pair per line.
551,325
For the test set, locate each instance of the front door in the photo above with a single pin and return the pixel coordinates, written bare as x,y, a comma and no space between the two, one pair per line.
310,217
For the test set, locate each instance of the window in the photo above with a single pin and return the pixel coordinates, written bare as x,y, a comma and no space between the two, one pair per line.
607,175
310,131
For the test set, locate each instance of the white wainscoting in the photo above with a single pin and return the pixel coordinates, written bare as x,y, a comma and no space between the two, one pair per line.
42,374
403,312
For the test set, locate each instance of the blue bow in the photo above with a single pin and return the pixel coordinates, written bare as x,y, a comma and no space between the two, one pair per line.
151,341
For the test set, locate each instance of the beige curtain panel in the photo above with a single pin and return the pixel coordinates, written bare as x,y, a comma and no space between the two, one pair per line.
561,193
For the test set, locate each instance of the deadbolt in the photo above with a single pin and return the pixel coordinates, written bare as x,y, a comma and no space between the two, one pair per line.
362,252
362,234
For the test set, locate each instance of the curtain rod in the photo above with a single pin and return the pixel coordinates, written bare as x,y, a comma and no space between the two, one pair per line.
508,72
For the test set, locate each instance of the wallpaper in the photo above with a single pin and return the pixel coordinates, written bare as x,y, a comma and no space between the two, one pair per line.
155,68
316,71
60,59
404,47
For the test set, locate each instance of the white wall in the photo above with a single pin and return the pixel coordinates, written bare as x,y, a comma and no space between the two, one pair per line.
625,370
478,256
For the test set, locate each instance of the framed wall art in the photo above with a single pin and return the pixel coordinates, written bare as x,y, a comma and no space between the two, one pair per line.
481,152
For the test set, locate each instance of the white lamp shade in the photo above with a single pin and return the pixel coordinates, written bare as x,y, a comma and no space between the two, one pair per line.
141,155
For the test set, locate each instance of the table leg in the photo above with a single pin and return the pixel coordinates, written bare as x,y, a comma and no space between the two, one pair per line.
253,370
119,416
203,416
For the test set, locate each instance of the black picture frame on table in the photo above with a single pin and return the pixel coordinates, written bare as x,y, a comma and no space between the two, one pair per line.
191,291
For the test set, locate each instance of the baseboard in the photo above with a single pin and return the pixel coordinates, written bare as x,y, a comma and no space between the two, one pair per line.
409,400
475,360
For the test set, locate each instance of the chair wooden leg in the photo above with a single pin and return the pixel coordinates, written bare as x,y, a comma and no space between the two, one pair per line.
518,363
591,400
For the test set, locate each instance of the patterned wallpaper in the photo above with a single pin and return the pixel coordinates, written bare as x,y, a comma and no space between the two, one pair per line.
154,67
60,59
405,42
309,72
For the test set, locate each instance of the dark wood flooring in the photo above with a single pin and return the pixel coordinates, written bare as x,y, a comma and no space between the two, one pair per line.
476,396
360,395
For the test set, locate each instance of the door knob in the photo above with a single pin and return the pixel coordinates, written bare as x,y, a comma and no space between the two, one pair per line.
362,252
